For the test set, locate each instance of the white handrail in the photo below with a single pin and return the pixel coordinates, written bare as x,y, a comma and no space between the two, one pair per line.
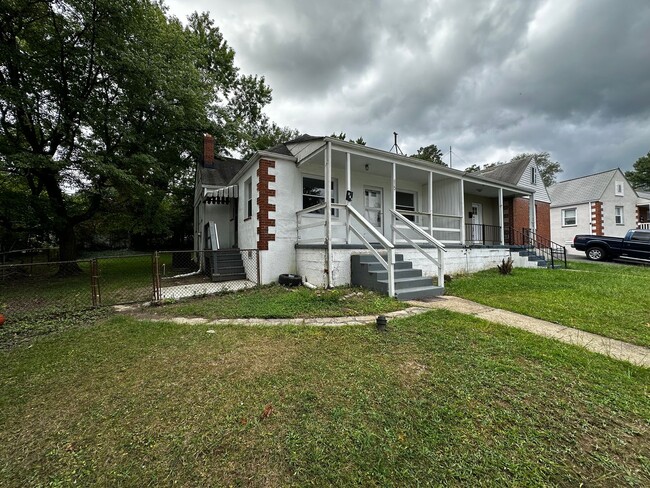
440,247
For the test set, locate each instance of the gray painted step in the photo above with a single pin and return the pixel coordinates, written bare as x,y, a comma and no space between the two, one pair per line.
403,283
370,258
399,273
420,292
376,266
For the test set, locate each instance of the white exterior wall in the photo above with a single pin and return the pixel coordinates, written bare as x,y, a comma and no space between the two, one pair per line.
541,195
610,200
564,235
281,256
247,226
457,260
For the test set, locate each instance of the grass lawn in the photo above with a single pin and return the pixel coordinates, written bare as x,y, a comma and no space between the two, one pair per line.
441,398
606,299
276,301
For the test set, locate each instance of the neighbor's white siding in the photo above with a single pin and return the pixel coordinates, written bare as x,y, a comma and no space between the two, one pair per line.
564,235
541,195
610,200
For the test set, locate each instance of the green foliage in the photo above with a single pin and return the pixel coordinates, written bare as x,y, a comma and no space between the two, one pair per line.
430,153
605,299
639,177
108,100
343,135
280,302
474,168
442,398
505,268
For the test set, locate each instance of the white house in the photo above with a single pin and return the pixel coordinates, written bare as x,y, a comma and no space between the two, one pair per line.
311,204
599,204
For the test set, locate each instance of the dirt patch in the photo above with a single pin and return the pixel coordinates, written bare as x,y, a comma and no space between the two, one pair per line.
410,372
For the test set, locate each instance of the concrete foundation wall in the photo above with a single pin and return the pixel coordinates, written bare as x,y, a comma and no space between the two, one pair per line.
311,262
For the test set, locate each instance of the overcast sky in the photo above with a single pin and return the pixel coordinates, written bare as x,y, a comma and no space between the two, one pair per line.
489,78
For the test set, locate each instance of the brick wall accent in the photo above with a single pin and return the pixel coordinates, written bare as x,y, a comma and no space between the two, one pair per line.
543,211
520,214
264,197
597,219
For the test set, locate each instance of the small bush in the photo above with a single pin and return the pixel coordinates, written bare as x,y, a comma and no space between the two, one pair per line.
505,268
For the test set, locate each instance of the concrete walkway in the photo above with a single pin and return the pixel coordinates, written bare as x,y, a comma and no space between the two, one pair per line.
603,345
613,348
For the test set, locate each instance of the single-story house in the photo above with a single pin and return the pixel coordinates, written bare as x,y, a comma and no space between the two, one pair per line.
329,210
599,204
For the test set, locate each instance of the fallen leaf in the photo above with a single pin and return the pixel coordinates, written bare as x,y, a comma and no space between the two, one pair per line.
268,410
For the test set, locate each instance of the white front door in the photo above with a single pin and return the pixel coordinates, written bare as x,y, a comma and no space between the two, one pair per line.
373,207
477,223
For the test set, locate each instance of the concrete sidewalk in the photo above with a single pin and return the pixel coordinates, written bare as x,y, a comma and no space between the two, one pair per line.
613,348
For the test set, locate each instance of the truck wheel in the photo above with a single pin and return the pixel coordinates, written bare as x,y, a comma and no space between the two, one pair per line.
596,254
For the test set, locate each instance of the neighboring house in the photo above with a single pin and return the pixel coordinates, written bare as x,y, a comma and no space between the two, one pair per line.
643,210
599,204
312,203
524,173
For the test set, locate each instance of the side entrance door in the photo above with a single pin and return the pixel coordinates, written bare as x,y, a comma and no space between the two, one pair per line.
477,223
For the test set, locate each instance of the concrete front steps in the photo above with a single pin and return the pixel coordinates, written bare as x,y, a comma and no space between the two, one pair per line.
409,282
226,265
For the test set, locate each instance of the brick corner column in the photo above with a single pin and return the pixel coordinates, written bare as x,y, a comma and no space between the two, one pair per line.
597,225
264,205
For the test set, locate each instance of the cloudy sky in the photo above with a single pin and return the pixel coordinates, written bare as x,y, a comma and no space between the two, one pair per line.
489,78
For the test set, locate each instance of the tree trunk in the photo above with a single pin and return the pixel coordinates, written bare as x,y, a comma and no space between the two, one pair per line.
67,251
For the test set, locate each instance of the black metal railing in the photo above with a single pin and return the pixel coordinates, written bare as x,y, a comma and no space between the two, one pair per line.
553,253
482,234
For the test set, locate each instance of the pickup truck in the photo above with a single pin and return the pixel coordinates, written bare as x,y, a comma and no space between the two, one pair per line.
635,244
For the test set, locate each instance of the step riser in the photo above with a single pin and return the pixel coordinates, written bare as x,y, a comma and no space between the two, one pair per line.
415,294
379,267
403,285
399,273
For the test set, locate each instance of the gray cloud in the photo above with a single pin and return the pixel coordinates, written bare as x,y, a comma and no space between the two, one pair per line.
491,78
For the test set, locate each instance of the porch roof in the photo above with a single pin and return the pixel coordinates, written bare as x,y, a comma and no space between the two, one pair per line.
365,155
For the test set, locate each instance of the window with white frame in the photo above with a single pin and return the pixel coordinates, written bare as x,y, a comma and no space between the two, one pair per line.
248,197
533,175
619,188
405,201
618,215
569,217
313,192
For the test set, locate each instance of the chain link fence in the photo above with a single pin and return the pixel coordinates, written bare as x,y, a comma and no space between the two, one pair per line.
30,291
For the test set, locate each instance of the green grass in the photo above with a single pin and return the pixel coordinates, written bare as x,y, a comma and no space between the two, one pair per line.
610,300
279,302
441,399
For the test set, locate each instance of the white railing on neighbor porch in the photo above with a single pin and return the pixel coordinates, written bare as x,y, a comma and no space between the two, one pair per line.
351,214
644,226
401,225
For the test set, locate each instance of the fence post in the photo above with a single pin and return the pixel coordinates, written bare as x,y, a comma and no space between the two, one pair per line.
259,271
155,272
94,283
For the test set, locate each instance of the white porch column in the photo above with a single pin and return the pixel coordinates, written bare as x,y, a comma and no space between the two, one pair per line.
501,230
430,192
348,187
462,212
531,211
393,186
328,212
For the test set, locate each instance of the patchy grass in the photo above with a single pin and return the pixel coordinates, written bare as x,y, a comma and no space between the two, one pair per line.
606,299
441,398
276,301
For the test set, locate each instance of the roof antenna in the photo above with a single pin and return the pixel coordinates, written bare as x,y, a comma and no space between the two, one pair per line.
398,150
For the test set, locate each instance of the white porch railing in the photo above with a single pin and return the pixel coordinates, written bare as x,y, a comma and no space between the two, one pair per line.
352,215
400,224
446,227
644,226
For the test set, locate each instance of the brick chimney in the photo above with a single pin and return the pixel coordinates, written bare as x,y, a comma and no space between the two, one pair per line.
208,150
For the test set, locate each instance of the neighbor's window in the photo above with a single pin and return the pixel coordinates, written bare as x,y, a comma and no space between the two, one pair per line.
619,188
405,201
533,176
568,217
313,192
618,215
248,197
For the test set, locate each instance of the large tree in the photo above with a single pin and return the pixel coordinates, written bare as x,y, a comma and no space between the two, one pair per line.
430,153
110,98
639,177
